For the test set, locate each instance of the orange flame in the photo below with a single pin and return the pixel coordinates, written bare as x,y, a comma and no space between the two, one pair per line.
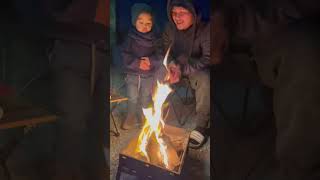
154,122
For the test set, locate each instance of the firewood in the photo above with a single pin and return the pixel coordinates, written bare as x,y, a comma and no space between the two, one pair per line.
153,150
173,157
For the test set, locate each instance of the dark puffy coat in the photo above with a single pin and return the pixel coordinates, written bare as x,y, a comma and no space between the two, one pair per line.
139,45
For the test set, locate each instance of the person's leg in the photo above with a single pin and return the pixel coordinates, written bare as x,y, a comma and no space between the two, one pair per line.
72,86
73,108
145,91
133,94
200,82
98,124
145,94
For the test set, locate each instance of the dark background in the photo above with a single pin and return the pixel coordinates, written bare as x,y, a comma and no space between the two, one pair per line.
123,13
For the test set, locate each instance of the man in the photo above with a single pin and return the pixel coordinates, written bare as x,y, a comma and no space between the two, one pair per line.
189,39
80,79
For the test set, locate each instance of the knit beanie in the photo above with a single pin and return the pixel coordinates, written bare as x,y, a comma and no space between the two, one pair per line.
137,9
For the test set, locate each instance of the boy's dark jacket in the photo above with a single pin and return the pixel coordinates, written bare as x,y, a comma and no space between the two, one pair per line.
190,48
139,45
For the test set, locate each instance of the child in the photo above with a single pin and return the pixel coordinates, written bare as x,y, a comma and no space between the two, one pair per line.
140,62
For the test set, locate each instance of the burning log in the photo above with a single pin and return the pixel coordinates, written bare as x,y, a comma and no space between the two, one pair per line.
172,153
156,158
153,151
137,164
130,150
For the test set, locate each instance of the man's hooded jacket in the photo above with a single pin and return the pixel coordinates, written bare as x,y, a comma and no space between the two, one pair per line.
191,47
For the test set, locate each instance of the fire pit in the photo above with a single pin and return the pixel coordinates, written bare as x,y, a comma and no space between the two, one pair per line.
158,151
136,165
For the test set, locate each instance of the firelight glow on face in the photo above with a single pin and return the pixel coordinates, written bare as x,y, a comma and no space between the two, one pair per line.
144,22
182,17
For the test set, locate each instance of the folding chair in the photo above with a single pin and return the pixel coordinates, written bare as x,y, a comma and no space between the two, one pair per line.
115,100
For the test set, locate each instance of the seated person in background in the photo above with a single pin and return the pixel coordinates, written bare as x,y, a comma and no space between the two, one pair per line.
140,61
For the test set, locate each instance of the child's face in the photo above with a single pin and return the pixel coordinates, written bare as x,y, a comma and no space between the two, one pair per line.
144,23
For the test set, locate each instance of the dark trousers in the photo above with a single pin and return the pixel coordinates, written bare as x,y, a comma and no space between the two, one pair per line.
82,115
139,90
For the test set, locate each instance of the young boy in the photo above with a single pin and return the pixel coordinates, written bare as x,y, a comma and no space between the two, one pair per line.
140,62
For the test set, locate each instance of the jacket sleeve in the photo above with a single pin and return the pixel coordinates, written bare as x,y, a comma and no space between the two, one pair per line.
156,58
130,62
195,64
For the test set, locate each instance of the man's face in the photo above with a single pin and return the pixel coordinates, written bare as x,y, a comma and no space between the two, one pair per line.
182,17
144,23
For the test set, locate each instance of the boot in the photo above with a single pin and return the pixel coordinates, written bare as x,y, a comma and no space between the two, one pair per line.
131,119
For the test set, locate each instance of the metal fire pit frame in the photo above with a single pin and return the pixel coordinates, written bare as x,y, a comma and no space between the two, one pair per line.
146,171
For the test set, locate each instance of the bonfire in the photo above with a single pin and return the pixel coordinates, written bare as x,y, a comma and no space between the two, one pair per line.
152,145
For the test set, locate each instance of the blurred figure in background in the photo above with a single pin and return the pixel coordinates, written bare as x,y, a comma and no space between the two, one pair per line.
79,66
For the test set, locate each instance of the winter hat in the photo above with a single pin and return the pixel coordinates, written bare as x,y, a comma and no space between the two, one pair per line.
137,9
